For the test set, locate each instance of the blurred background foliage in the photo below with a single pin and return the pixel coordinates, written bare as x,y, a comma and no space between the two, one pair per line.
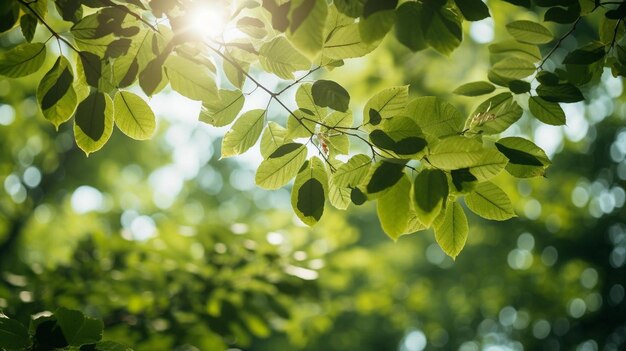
177,250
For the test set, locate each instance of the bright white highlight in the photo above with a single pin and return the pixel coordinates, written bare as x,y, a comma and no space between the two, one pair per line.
208,21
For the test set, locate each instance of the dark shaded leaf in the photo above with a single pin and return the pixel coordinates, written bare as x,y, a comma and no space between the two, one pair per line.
131,74
301,13
547,78
385,176
350,8
375,117
430,192
284,150
462,176
9,14
408,32
92,67
90,115
117,48
519,87
373,6
473,10
13,335
150,78
357,197
585,56
311,199
523,3
563,16
58,90
280,21
70,10
560,93
519,157
410,146
28,24
327,93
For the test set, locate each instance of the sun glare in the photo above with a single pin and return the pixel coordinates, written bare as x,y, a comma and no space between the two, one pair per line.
209,21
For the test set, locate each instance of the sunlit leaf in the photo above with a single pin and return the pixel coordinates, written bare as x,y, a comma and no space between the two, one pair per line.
281,166
490,202
133,116
22,60
244,133
55,94
451,230
429,194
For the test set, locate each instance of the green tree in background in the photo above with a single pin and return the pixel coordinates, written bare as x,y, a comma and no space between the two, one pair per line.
172,244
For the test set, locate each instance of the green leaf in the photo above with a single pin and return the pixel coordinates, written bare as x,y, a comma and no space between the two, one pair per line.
473,10
513,68
281,166
586,55
244,133
252,26
512,48
460,152
281,58
451,230
309,192
151,78
345,41
273,137
28,24
301,124
22,60
190,79
305,101
70,10
306,31
77,328
352,8
340,198
133,116
495,115
13,335
327,93
526,159
353,173
442,28
529,32
93,122
9,14
475,89
435,116
372,7
387,103
374,28
547,112
402,136
55,93
429,194
223,111
357,197
382,176
395,211
566,93
110,346
519,87
490,202
91,67
407,32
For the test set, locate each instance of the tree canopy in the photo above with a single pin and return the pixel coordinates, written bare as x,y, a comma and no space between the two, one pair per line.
279,78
